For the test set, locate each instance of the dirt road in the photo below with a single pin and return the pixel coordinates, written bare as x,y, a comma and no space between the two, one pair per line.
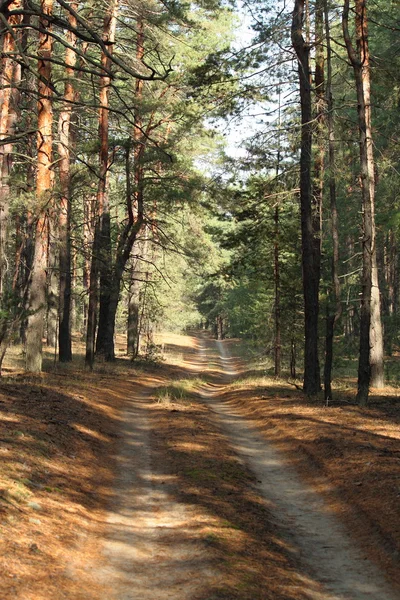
318,538
157,548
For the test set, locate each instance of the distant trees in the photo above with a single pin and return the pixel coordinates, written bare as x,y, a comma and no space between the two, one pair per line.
371,339
108,92
347,255
105,111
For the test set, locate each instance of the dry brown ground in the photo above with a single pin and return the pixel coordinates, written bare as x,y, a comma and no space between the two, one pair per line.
349,454
246,546
59,437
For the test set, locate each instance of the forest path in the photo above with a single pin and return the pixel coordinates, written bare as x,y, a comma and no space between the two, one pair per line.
153,549
319,539
156,547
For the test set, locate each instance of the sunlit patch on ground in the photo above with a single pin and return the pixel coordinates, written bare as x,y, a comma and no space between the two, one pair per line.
349,454
60,434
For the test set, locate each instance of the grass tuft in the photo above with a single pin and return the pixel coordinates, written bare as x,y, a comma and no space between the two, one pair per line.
179,391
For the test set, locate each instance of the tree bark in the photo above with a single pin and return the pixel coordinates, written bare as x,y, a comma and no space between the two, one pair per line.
293,373
360,63
88,236
377,376
137,278
134,201
333,301
64,140
310,231
277,282
52,282
10,77
277,269
104,250
376,331
100,238
37,306
133,329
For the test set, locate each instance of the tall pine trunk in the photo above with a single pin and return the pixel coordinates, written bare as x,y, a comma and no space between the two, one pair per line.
277,285
133,324
138,278
88,233
102,220
334,306
37,304
104,239
359,59
277,266
10,77
310,231
128,235
52,281
377,376
64,140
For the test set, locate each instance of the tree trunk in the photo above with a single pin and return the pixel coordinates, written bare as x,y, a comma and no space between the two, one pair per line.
376,331
277,270
277,281
113,277
220,327
100,240
390,269
88,235
133,333
377,377
92,302
333,300
311,236
64,137
293,373
29,92
34,334
10,77
135,283
52,284
360,61
104,249
106,276
124,249
108,348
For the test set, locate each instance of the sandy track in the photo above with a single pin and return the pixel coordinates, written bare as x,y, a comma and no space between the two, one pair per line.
154,548
152,551
318,538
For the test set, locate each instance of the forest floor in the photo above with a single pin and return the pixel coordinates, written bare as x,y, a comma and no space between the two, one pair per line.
185,479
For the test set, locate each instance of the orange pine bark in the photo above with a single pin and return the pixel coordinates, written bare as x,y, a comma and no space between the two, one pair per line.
44,182
102,207
370,324
64,123
10,77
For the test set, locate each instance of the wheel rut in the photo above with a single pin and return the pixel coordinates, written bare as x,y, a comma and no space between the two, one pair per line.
151,551
315,535
154,549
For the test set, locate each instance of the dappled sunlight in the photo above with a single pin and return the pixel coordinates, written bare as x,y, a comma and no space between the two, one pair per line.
54,431
187,518
271,406
357,449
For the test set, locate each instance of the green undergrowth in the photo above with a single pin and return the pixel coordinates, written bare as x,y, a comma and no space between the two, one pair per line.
179,391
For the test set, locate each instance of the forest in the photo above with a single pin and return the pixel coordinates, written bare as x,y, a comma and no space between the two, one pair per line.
199,299
166,165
